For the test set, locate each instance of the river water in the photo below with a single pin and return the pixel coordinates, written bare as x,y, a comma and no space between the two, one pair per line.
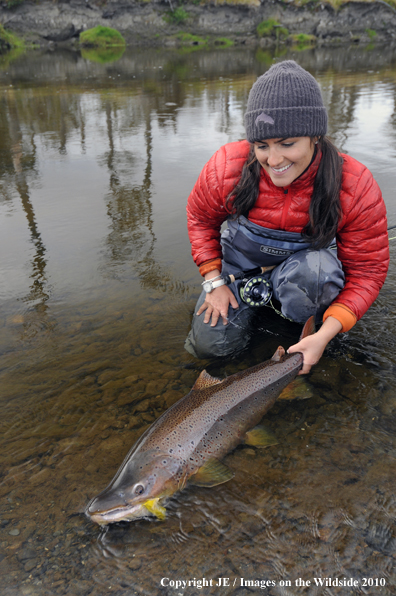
97,290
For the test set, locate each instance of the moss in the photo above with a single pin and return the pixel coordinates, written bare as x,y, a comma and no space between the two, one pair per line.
9,41
101,37
176,17
190,39
371,33
271,28
225,42
302,40
13,3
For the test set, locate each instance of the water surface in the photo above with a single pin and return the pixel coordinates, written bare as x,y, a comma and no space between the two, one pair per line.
97,289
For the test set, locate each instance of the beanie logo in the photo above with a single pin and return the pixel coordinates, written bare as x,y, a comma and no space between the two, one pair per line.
264,118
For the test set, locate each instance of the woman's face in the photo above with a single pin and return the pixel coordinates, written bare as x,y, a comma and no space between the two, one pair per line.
284,160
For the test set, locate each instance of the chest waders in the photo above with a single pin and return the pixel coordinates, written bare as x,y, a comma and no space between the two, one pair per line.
304,281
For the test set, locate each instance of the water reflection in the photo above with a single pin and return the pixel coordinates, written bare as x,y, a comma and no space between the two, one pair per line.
97,161
129,208
22,162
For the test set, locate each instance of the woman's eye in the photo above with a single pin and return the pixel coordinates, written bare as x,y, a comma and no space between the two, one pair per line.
287,144
139,489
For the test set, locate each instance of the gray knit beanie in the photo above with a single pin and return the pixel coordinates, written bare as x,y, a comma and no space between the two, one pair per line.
285,102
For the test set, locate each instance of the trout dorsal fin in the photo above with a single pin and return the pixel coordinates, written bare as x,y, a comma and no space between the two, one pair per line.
308,329
278,354
205,380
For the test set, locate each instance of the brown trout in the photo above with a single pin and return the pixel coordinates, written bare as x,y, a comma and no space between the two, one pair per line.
188,441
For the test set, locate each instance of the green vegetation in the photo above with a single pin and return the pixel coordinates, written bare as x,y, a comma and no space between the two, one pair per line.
336,4
225,42
176,17
10,41
13,3
271,28
371,33
190,39
302,40
101,37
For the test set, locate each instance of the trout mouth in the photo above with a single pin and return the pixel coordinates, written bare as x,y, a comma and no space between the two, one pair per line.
121,513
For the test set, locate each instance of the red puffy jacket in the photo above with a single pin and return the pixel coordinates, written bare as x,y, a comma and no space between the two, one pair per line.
362,237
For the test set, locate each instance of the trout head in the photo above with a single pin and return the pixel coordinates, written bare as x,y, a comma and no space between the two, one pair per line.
142,482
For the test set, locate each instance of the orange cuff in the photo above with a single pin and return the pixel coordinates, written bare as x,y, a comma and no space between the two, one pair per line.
210,266
343,314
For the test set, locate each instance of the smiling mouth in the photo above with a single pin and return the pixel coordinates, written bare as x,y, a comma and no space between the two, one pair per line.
281,170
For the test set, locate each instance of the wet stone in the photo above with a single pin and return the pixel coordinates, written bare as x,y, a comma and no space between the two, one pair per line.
155,387
26,553
31,564
106,376
143,406
171,397
134,421
134,564
171,375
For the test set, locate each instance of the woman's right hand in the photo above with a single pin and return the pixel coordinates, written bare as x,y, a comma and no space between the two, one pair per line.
216,305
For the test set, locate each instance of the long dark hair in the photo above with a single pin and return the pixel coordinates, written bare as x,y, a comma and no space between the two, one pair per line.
325,206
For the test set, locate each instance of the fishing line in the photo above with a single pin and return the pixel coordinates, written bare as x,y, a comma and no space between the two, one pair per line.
392,228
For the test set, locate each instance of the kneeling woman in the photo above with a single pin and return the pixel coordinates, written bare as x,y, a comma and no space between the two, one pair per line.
313,219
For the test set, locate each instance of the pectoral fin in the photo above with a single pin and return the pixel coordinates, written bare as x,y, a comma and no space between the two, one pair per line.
260,436
297,389
211,474
155,508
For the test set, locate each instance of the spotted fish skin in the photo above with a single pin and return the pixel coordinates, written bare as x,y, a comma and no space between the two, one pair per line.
203,426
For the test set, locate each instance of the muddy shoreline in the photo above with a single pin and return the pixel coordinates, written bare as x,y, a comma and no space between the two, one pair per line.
145,24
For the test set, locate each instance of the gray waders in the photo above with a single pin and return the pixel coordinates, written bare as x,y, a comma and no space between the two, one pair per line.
304,282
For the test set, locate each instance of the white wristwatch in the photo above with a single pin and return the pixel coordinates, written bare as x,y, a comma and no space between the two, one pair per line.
209,285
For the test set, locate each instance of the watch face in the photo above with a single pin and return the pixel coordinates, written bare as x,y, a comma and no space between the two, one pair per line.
207,286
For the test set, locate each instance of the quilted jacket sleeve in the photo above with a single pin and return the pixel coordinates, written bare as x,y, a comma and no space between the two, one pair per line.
206,206
362,240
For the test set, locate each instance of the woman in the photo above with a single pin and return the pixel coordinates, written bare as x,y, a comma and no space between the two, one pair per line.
287,195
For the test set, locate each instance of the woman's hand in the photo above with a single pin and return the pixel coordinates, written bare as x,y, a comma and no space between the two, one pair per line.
312,347
216,305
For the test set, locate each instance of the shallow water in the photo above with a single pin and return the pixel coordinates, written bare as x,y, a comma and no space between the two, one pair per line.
97,289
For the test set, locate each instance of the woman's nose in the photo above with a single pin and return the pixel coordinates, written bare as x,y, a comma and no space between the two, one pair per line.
275,159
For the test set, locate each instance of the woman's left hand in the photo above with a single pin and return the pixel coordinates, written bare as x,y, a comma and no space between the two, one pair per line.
312,346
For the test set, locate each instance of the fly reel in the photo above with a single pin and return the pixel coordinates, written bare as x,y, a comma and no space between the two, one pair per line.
255,291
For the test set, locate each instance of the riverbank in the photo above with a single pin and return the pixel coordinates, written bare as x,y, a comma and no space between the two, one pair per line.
165,23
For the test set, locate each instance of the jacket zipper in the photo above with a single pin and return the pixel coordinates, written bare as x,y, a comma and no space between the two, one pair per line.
286,207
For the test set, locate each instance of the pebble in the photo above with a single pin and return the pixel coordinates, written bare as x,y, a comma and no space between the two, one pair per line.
134,564
31,564
14,532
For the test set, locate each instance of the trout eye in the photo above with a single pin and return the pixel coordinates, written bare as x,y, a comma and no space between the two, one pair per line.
139,489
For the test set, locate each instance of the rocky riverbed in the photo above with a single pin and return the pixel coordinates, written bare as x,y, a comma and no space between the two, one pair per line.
154,23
